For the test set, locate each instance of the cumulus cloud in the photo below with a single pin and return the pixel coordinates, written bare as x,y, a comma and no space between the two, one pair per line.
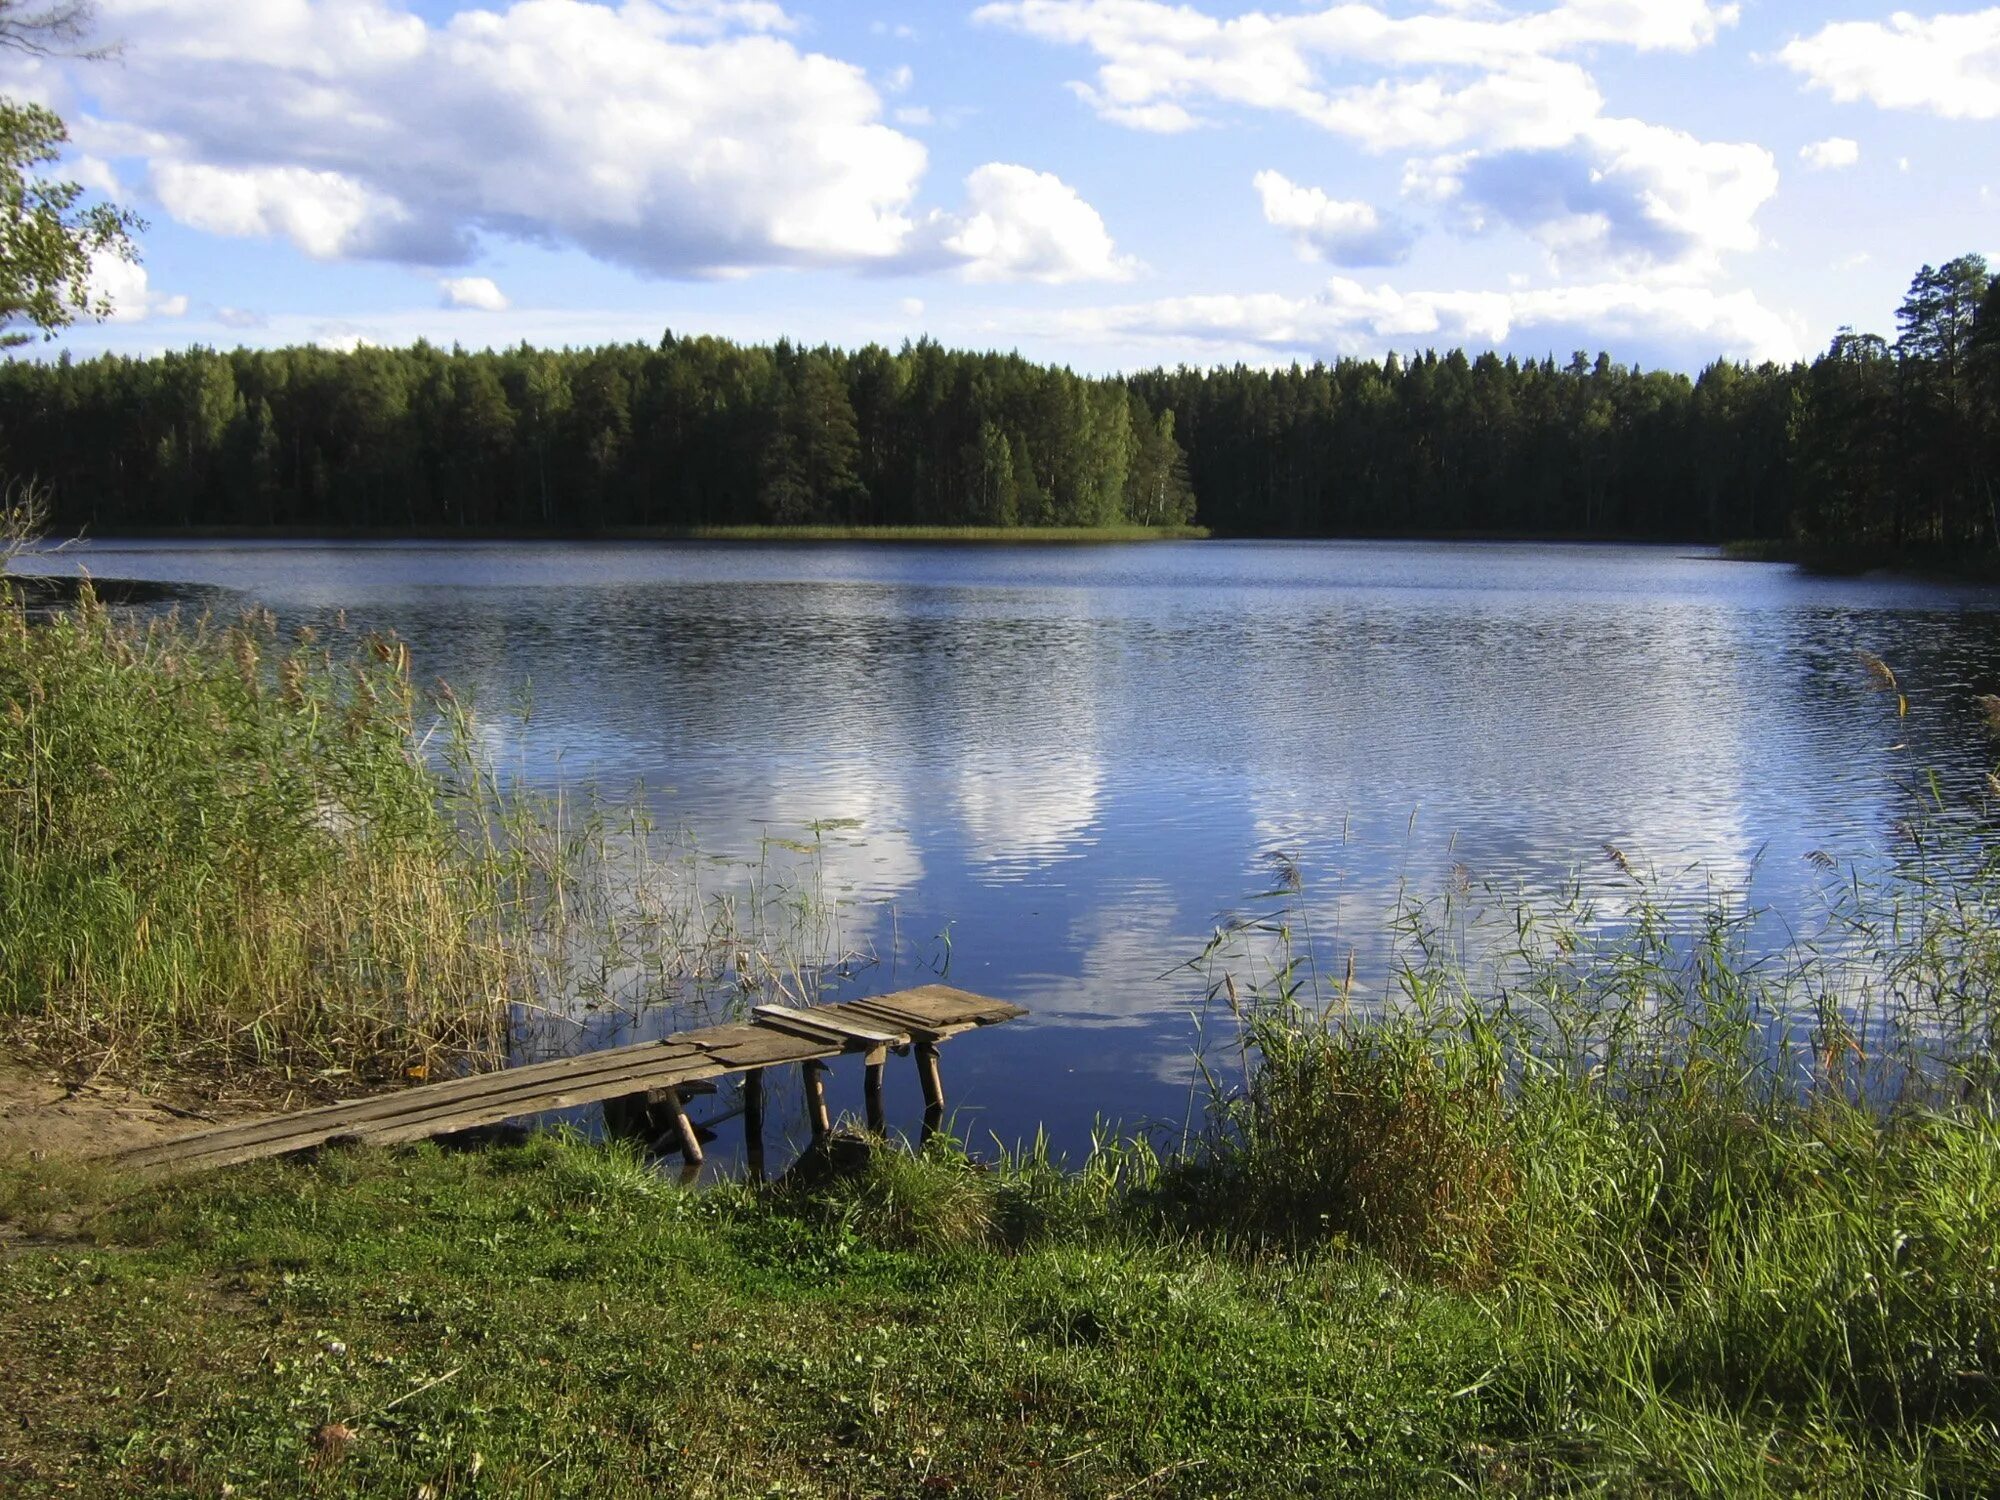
476,292
328,215
1680,324
675,137
125,285
1627,195
1511,126
1473,71
1830,154
1332,229
1024,225
1946,64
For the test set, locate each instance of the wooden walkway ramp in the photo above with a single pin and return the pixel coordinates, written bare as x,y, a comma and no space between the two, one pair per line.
658,1076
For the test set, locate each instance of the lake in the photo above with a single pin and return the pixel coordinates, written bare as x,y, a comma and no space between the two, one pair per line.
1047,773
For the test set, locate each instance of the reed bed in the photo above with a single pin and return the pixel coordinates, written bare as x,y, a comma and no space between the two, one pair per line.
232,857
1733,1215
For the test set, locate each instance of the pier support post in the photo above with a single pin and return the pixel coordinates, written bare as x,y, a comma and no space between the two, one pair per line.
683,1127
933,1086
871,1091
753,1122
815,1080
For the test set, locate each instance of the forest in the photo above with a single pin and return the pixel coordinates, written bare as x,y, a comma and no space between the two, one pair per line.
1876,443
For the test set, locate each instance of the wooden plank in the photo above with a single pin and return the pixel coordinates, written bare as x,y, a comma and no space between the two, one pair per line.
437,1117
645,1058
773,1047
778,1034
883,1016
826,1018
941,1005
618,1074
489,1112
834,1041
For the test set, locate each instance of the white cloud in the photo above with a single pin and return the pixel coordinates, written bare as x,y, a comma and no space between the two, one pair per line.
476,292
1830,154
1159,62
1946,64
1514,125
127,287
95,173
1346,233
677,137
326,214
911,307
1670,324
1024,225
1636,198
680,139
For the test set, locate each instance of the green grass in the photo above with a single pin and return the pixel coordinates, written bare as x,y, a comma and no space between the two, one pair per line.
236,858
557,1319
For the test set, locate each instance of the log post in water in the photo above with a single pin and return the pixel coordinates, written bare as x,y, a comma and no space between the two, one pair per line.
933,1086
815,1080
683,1126
753,1122
871,1090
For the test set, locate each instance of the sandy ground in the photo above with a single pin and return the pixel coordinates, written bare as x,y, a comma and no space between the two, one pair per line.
40,1115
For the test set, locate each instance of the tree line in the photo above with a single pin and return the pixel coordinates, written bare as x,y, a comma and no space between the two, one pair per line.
1873,443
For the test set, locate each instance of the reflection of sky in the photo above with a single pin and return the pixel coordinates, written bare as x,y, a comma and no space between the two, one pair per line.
1047,771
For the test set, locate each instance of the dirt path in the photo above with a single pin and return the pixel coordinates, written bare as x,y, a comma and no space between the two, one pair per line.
42,1116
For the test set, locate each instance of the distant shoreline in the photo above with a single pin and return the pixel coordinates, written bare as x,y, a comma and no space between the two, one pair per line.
984,535
1938,563
987,534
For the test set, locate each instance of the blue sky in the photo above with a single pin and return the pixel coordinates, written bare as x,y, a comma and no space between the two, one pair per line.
1108,183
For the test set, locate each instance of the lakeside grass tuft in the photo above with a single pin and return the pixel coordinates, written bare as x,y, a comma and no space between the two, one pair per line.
219,851
232,857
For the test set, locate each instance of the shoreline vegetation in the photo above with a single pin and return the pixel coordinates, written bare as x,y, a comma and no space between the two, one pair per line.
237,860
1018,535
1874,447
1618,1206
1837,561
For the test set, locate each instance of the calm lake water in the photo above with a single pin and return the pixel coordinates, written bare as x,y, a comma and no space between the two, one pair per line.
1046,773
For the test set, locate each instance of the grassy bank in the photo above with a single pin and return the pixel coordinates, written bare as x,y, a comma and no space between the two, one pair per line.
1817,1318
1639,1216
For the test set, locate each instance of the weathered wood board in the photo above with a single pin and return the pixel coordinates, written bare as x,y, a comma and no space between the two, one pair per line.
773,1037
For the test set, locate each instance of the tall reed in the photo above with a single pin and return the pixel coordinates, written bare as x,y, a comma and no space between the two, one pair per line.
1676,1170
230,855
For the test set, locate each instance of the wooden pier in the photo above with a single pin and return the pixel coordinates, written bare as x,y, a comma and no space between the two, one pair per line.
657,1077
